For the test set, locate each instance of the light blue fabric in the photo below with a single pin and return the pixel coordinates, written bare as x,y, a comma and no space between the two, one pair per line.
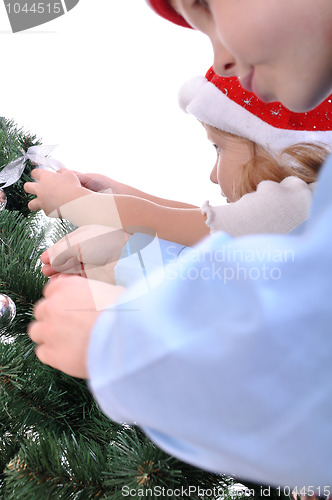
227,363
139,257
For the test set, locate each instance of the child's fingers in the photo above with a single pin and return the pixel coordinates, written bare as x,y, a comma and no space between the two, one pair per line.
30,187
36,173
52,274
83,178
34,205
56,276
88,181
45,258
68,173
39,174
71,266
48,270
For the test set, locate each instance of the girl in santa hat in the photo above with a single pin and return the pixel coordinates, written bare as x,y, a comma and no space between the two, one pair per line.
267,162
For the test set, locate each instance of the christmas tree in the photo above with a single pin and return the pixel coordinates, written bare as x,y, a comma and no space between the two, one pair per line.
55,443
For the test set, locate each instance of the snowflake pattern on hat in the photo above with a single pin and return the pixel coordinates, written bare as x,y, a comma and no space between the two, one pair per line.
224,104
273,113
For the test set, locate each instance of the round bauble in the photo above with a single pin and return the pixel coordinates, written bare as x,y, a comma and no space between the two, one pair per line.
3,199
7,311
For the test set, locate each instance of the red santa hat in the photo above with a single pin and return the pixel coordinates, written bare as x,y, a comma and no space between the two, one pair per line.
163,8
224,104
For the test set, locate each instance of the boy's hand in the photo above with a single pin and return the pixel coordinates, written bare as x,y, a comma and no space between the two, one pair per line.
64,320
53,189
90,251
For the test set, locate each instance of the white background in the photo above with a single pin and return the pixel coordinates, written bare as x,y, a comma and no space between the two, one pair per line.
101,82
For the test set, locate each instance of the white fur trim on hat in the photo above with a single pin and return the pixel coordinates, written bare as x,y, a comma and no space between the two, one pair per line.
207,103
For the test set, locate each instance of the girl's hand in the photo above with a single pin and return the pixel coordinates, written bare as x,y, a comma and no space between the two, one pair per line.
90,251
96,182
53,189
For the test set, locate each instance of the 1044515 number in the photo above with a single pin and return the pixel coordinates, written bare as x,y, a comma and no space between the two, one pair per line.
34,8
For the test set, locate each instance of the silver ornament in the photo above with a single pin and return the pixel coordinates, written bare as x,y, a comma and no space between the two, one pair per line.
7,311
3,199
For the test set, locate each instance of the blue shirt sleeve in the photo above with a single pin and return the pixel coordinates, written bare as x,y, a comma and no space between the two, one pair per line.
226,364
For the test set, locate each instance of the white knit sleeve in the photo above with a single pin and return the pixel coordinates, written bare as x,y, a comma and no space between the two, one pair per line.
273,208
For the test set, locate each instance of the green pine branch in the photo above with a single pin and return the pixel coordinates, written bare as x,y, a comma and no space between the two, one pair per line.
12,141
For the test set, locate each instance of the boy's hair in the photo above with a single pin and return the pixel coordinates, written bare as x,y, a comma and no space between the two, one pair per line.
302,160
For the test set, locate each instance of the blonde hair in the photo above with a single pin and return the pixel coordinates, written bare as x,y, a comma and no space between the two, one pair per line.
302,160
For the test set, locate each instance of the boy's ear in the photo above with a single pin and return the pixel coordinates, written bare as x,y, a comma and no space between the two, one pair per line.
23,16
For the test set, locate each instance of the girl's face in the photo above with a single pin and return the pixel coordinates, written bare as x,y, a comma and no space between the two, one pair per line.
280,49
232,154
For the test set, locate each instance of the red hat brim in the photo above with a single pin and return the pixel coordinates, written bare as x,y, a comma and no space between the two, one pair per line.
163,8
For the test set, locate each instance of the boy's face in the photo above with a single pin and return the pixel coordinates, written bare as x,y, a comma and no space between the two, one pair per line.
280,49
